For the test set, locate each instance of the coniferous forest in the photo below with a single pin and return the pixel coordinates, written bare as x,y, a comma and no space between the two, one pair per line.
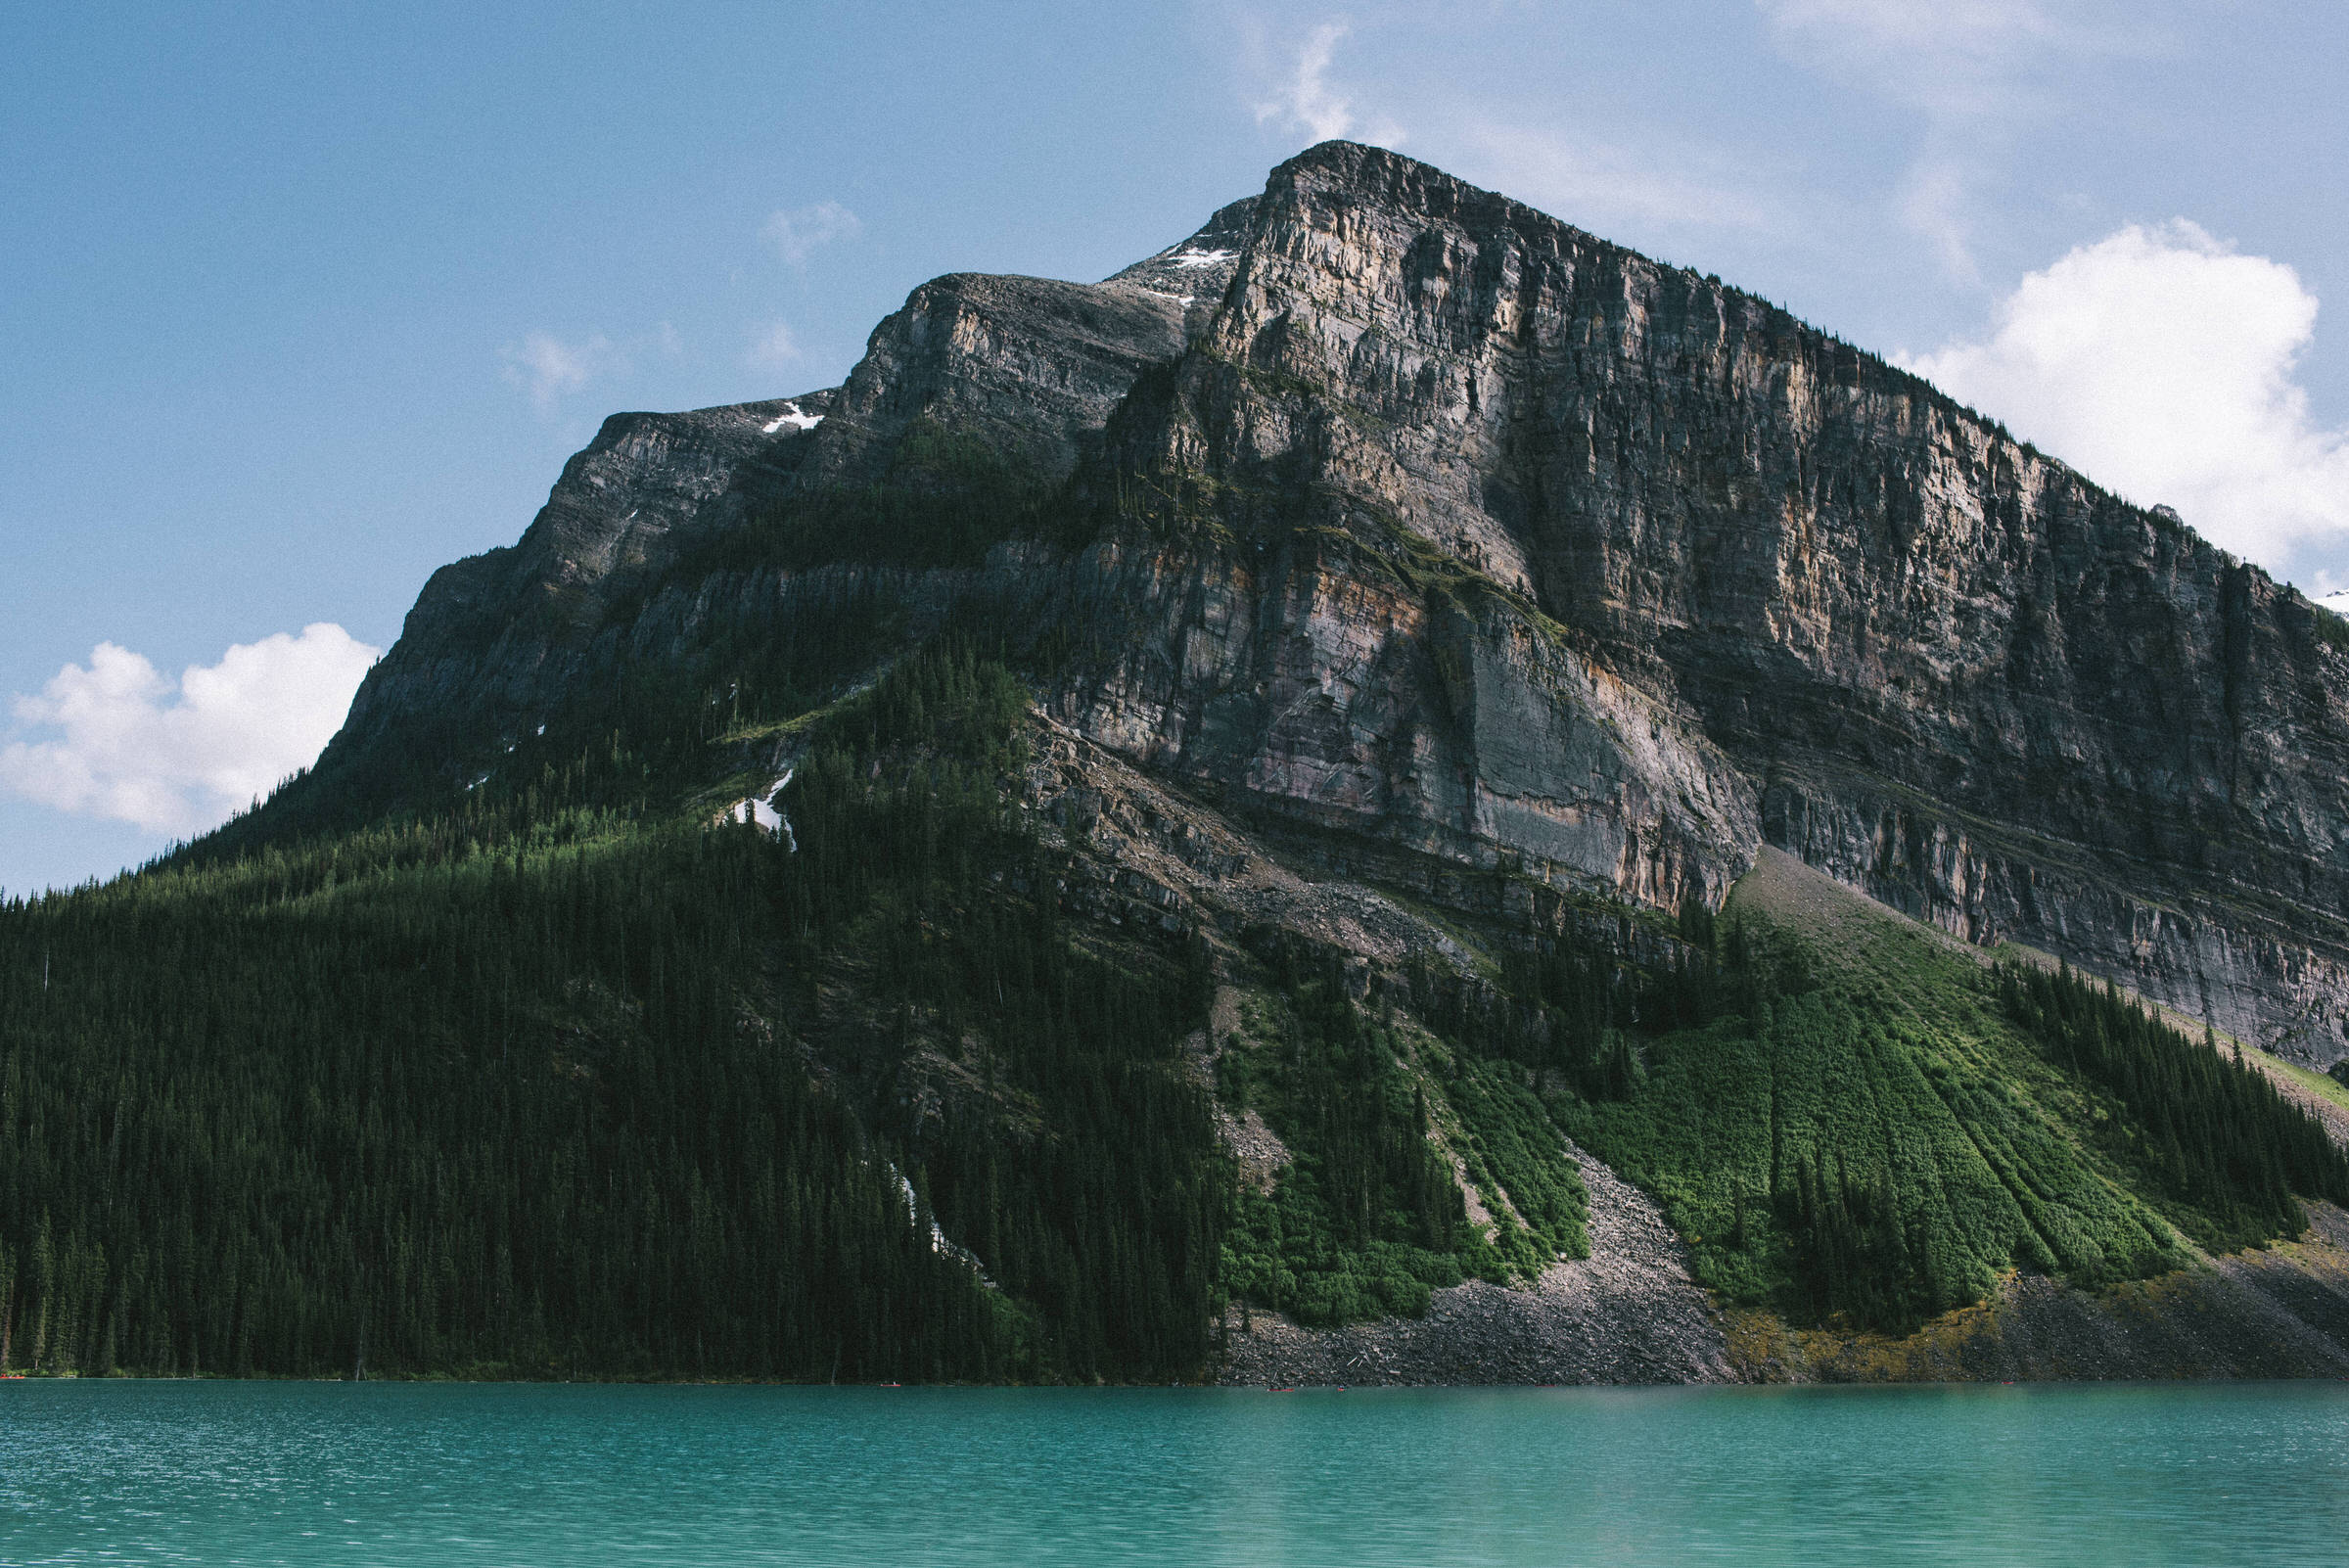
531,1088
571,1072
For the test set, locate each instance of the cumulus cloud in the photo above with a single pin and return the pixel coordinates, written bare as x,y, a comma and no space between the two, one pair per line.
179,757
1307,100
549,367
2161,362
804,230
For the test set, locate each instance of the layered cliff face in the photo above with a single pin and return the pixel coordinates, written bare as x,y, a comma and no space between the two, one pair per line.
496,638
1400,508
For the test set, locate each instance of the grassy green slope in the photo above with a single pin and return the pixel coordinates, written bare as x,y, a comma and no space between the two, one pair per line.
1850,1118
1877,1133
1388,1126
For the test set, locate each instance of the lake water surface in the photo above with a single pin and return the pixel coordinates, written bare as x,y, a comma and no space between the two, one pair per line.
440,1474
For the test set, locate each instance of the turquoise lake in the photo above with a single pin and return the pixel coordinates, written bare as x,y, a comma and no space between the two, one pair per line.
433,1474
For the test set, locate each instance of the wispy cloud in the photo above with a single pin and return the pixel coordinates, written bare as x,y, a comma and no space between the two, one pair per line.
2162,362
1973,70
1936,203
1591,182
549,367
1946,57
118,739
1305,98
801,231
772,347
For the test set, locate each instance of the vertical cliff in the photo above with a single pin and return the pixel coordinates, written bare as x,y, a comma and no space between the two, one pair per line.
1629,502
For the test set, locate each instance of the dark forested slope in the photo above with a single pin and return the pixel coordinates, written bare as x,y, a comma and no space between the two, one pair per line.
539,1084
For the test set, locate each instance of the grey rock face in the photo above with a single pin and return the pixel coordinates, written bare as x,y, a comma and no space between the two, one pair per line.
1196,272
1422,514
495,638
1939,665
1026,366
1029,368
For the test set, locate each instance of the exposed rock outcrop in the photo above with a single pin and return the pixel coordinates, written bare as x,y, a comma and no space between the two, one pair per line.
495,639
1627,1314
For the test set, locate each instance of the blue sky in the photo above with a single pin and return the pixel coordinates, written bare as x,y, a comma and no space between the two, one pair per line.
294,307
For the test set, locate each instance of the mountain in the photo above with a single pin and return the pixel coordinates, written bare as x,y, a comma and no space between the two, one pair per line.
1393,764
1409,510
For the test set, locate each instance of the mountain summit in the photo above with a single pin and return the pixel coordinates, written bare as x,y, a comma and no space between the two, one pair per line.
1390,505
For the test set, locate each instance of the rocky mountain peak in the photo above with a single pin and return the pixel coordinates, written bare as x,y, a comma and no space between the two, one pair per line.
1400,509
1197,270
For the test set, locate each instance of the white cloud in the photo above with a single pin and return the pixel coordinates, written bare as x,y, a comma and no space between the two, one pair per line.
180,757
549,367
1307,100
799,233
2161,362
772,347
